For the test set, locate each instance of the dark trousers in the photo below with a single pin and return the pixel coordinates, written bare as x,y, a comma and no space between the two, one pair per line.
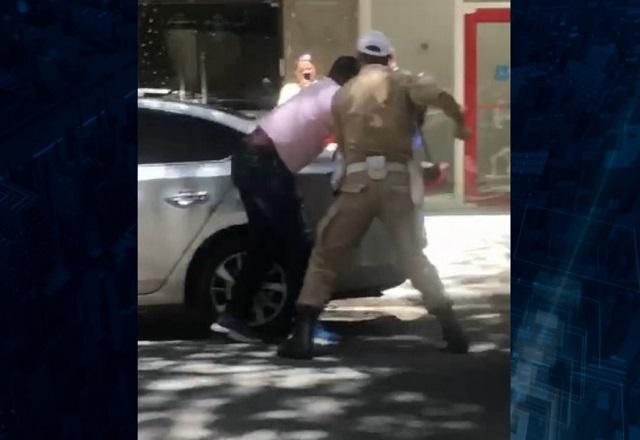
277,227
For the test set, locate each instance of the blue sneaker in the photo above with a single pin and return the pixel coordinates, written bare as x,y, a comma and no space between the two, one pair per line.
235,330
322,336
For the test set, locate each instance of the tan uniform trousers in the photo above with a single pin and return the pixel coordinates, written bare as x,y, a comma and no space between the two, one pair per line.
341,230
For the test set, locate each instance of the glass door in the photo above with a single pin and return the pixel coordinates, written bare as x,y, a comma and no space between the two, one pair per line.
488,102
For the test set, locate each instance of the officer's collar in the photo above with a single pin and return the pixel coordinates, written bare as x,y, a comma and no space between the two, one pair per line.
375,67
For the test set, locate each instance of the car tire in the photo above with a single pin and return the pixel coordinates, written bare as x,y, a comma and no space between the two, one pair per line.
213,276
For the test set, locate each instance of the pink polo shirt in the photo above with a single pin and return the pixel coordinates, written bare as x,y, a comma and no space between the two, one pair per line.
299,127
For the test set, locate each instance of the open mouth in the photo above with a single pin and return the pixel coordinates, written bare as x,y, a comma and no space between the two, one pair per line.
307,76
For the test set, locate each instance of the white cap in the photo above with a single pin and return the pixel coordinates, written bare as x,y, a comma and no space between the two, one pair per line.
375,43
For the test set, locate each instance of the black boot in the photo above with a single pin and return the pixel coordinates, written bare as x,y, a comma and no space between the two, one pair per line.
452,333
300,344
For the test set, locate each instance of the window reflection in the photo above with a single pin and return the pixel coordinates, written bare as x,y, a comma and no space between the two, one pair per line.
230,53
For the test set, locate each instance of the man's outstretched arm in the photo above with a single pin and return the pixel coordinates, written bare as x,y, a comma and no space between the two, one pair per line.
424,92
453,110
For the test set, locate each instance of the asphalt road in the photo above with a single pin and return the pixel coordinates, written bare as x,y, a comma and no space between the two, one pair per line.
386,380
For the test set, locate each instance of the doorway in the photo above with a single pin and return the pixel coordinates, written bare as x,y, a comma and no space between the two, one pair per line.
487,97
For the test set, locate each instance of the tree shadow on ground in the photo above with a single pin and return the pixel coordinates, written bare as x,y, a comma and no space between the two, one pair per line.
386,380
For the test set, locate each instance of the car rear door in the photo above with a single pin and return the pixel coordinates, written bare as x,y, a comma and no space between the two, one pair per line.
183,175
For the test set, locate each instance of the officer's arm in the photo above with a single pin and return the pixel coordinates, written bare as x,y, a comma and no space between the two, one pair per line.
338,155
422,114
337,123
424,92
450,107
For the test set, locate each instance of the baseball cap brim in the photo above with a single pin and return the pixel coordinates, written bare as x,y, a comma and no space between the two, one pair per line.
375,43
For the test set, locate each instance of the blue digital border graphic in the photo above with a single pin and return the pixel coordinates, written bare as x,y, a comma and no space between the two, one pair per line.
575,217
67,219
68,155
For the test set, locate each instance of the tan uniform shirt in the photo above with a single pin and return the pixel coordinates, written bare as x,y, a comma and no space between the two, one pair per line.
375,113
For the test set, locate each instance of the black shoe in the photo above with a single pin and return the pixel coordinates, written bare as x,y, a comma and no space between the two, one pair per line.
300,344
452,333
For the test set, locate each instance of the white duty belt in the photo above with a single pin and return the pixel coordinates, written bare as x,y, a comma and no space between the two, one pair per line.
359,167
377,168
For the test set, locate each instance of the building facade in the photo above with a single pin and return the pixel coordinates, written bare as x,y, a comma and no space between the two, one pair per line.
240,52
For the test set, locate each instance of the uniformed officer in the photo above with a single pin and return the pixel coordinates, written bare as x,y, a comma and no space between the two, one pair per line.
374,116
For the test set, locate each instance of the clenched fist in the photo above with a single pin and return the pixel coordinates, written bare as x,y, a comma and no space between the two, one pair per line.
463,132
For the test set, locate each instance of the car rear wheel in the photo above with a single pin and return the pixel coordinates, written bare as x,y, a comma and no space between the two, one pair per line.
271,310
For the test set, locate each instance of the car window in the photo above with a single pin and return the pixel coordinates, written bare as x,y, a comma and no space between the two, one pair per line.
168,137
235,45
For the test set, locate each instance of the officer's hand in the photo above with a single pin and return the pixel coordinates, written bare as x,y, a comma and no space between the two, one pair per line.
463,132
431,173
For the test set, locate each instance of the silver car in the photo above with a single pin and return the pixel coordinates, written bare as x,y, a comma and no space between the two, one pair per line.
192,224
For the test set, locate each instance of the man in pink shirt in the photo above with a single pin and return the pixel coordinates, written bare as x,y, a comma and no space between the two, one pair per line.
286,140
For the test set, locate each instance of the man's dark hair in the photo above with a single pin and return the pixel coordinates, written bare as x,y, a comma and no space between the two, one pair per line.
344,68
365,58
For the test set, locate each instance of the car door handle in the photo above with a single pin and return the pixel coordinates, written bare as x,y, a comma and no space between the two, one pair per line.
185,199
